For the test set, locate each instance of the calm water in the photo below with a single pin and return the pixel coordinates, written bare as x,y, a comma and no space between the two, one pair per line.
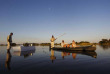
45,61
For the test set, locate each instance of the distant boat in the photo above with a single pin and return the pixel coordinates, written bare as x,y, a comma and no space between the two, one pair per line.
24,48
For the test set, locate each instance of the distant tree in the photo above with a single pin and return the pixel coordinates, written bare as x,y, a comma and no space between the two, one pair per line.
84,42
45,44
109,40
35,44
13,44
25,44
76,42
105,40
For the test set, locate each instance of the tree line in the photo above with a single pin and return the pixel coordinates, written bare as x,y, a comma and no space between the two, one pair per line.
102,42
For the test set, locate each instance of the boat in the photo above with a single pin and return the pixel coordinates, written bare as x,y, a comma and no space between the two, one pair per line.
24,48
82,48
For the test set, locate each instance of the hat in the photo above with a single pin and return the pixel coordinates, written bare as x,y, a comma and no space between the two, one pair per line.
11,33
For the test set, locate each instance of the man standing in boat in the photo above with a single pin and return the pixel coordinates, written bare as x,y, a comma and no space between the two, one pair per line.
52,41
9,41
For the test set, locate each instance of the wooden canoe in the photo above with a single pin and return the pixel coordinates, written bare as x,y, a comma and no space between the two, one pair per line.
83,48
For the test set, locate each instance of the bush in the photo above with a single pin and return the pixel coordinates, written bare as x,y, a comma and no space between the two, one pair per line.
13,44
25,44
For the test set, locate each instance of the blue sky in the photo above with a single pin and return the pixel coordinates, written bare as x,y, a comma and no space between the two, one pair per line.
37,20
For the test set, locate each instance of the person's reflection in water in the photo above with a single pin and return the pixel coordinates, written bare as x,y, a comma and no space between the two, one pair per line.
62,54
52,57
68,53
8,60
74,55
95,56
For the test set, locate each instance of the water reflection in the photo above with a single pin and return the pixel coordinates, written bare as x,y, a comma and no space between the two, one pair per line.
24,53
17,53
63,54
41,62
52,57
105,47
8,60
73,54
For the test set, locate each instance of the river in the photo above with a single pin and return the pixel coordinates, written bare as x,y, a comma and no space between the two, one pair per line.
45,61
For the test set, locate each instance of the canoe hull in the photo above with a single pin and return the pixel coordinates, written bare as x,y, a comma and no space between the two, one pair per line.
86,48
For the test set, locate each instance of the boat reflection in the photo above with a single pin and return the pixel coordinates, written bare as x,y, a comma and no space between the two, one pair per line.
24,53
72,53
63,54
17,53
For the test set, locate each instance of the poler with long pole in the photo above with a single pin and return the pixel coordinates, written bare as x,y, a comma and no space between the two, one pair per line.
60,36
53,39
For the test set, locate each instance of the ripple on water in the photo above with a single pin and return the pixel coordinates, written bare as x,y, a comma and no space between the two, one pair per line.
41,62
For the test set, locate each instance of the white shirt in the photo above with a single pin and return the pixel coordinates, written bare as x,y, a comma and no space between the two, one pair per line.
63,43
52,39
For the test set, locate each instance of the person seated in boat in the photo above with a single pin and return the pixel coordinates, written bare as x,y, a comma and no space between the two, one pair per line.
73,44
63,44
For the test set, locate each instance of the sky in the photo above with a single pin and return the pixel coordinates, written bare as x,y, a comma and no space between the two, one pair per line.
37,20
